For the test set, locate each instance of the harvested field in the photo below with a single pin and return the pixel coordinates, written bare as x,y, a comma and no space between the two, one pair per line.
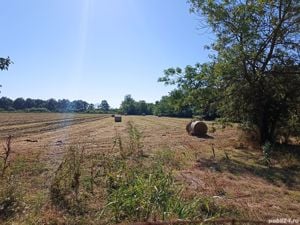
234,178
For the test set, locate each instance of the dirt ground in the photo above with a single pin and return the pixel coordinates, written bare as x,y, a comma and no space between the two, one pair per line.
234,177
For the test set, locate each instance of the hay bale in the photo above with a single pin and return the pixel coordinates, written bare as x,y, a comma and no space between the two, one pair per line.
118,118
197,128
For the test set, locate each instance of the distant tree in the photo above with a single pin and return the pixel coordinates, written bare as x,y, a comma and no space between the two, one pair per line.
19,103
63,105
29,103
141,107
79,106
6,103
128,105
104,105
40,103
174,105
51,105
91,107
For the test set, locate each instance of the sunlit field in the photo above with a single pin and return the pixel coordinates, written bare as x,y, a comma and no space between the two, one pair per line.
76,168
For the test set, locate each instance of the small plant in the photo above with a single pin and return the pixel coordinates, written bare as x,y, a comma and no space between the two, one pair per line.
6,155
212,129
64,190
135,145
267,150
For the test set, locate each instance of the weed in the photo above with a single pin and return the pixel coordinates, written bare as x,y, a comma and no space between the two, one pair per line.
134,148
135,144
267,150
10,198
6,155
64,190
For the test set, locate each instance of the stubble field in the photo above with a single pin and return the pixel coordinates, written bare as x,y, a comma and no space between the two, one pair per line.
235,178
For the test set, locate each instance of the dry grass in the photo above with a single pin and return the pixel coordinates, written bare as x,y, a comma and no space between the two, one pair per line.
235,177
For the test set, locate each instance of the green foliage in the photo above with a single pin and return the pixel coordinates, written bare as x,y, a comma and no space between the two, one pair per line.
290,126
4,63
104,106
196,93
38,105
173,105
131,107
141,194
255,75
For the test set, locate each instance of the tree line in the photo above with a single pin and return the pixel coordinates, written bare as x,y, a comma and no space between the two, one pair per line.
52,105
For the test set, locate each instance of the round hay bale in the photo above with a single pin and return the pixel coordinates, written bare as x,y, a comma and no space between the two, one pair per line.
118,118
197,128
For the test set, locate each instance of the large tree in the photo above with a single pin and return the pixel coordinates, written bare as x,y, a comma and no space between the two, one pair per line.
104,105
257,60
128,106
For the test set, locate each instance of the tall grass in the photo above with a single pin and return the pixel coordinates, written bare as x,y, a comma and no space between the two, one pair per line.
64,190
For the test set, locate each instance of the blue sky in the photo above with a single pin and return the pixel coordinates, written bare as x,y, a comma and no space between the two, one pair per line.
96,49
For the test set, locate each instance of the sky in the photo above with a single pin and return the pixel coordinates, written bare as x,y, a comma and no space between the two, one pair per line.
96,49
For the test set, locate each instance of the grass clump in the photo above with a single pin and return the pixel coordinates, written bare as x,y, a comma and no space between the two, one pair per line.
142,194
170,158
10,198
